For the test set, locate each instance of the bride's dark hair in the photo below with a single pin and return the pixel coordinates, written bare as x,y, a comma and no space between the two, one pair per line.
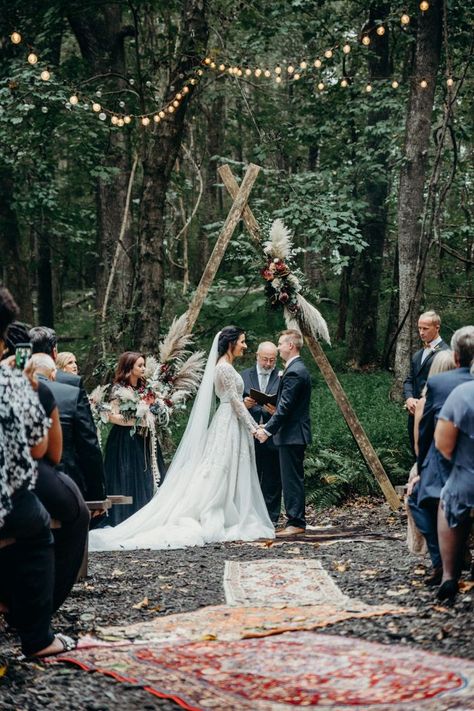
228,336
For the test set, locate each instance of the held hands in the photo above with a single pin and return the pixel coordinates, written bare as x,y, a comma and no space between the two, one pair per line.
410,404
260,435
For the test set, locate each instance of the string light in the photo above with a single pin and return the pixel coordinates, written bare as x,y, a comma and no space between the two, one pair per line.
127,119
45,75
290,69
303,64
200,72
278,70
278,79
320,86
267,73
395,84
317,63
424,6
114,120
74,100
248,72
328,53
176,104
258,72
208,60
156,118
15,37
344,83
32,58
405,19
171,109
102,116
380,30
145,121
449,81
96,108
423,83
222,67
346,48
120,122
185,89
366,40
368,88
296,76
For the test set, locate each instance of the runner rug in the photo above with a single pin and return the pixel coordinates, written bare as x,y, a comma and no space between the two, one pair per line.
280,581
280,672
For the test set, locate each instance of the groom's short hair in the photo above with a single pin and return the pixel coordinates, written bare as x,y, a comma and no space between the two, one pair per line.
291,334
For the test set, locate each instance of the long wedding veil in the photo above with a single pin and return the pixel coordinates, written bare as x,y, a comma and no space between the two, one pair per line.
179,475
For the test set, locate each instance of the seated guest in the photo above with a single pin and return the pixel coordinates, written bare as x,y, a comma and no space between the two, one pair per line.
454,439
79,460
67,362
433,468
26,553
62,499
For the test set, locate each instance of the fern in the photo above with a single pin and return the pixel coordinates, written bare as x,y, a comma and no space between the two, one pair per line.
331,477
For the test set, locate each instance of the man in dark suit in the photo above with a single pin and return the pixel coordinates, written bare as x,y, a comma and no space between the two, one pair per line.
82,457
433,468
264,376
429,324
290,427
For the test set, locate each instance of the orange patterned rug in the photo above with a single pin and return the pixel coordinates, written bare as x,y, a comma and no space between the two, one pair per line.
316,671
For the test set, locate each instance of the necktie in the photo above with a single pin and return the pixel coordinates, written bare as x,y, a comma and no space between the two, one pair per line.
263,379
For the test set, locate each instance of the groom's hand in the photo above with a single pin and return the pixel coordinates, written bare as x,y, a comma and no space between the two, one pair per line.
261,435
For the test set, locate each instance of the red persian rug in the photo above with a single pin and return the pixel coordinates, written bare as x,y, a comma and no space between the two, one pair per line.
293,669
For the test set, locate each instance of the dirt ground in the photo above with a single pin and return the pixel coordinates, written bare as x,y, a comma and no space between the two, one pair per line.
375,571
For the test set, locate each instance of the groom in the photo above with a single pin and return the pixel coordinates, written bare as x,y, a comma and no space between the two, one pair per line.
291,427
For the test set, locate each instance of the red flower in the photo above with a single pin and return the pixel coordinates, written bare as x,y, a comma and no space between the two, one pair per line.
267,274
283,297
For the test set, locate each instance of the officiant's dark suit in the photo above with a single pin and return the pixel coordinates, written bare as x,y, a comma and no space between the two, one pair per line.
266,454
82,458
291,430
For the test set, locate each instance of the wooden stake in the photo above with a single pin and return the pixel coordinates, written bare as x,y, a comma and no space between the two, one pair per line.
368,452
235,213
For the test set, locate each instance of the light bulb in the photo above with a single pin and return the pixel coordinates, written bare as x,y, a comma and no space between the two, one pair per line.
32,58
200,72
102,116
296,76
208,60
303,64
277,70
170,109
96,108
405,19
193,81
176,104
278,79
127,119
45,75
212,65
380,30
395,84
185,89
267,73
258,72
423,83
328,53
290,69
368,88
320,86
120,122
179,96
15,37
156,118
222,67
239,72
346,49
145,121
74,100
450,81
317,63
248,72
114,120
343,83
424,6
161,114
366,40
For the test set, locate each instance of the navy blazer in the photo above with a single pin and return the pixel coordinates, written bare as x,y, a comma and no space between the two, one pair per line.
433,468
250,378
291,422
82,457
418,375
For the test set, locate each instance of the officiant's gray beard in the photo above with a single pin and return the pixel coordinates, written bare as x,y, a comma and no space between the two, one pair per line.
267,368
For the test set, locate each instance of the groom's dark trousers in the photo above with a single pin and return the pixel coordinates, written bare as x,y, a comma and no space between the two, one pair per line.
291,430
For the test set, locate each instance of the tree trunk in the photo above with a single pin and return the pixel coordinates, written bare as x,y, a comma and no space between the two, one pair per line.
367,272
101,35
160,153
412,240
45,282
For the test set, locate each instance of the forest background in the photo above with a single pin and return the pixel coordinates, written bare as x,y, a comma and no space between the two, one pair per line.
114,117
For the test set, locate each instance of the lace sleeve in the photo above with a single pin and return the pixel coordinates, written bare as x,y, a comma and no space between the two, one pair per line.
225,382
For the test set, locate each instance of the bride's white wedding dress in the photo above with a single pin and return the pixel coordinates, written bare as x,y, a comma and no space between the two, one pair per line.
211,491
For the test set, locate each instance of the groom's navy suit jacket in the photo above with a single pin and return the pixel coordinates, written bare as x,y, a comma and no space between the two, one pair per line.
291,422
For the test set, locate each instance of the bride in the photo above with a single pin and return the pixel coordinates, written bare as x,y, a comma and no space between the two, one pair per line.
211,491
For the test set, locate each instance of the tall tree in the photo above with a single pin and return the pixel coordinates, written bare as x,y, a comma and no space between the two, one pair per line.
412,238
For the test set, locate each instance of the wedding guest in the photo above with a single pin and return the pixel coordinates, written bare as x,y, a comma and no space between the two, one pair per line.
290,427
67,362
429,325
128,468
264,376
454,439
433,468
26,544
82,456
58,492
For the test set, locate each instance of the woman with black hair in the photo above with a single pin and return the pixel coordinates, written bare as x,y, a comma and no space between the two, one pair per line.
211,491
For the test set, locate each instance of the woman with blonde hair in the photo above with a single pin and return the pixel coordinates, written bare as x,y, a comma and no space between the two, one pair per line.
67,361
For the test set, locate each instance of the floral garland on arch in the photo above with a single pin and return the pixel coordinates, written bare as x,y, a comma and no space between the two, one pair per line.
283,288
169,382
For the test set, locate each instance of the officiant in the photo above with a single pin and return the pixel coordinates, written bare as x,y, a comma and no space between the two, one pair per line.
263,376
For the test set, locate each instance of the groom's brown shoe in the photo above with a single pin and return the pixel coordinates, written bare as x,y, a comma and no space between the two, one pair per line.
290,531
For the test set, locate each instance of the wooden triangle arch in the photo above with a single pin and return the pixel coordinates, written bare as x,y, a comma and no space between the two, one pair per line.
240,209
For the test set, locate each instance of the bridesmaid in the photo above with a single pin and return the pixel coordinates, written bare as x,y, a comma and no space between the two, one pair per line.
127,462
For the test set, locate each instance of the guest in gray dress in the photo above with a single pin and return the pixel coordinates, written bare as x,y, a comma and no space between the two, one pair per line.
454,438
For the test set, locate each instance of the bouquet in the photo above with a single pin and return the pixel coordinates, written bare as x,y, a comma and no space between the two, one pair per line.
283,286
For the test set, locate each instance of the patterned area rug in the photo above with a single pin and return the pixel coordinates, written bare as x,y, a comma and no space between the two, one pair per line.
293,669
326,535
233,623
280,581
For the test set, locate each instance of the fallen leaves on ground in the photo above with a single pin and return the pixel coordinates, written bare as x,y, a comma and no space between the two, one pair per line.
141,605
